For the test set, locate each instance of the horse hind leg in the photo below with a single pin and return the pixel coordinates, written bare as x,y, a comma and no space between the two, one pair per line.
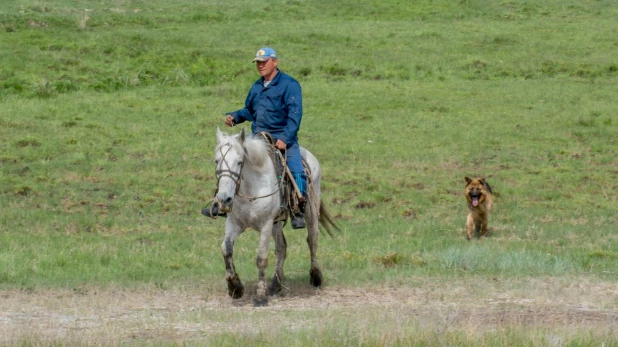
280,253
315,277
315,274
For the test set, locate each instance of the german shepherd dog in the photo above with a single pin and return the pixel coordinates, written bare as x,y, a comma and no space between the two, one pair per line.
480,198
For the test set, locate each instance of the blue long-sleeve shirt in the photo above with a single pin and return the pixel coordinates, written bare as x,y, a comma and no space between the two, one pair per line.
277,108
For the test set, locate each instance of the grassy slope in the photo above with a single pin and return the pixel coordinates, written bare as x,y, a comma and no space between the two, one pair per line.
108,123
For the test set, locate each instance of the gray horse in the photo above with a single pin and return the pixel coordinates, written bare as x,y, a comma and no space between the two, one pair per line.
246,180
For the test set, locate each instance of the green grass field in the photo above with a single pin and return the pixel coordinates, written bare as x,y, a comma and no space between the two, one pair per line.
107,130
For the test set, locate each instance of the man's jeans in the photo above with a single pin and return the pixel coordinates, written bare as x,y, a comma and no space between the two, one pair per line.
295,163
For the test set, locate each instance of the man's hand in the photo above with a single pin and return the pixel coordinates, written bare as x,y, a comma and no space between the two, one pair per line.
281,145
229,120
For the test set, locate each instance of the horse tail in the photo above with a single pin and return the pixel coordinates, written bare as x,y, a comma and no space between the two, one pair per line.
326,221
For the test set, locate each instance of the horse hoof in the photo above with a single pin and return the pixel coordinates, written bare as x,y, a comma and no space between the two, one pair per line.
260,302
315,277
235,289
274,288
236,294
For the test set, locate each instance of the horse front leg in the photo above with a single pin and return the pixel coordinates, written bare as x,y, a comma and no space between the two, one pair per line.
234,285
261,262
280,253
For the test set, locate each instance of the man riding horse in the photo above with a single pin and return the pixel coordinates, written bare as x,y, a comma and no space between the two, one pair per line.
274,105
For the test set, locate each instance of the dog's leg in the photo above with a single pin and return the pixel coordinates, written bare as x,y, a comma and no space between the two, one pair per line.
484,227
470,225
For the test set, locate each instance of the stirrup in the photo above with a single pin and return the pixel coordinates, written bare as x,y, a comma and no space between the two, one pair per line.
298,221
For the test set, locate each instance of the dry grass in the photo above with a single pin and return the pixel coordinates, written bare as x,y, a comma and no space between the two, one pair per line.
472,306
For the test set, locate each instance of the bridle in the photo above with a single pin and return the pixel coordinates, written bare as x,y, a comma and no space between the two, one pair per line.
228,172
235,176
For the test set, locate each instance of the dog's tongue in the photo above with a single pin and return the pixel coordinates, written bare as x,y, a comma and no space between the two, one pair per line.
475,202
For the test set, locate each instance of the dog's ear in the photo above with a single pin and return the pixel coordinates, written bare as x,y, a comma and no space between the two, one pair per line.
482,180
468,180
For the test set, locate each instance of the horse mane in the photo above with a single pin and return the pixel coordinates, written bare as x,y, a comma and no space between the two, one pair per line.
256,151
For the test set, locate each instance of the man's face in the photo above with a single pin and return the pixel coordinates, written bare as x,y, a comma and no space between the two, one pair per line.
267,69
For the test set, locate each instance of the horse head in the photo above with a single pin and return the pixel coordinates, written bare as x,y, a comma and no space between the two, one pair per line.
229,159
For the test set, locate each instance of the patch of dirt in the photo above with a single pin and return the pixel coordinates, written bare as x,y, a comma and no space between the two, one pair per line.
114,316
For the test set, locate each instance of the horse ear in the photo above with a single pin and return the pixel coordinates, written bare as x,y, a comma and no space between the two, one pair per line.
219,135
241,137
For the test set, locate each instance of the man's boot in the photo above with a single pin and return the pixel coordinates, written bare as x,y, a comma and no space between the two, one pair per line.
213,212
298,221
298,218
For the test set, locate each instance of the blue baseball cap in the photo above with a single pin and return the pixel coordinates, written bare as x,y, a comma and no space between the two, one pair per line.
264,54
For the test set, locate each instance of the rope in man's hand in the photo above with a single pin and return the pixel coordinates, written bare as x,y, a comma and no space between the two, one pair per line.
229,120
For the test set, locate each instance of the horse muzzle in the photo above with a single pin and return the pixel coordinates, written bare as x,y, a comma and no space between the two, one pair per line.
224,205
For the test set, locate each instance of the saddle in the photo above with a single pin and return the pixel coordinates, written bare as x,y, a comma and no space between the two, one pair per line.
289,192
